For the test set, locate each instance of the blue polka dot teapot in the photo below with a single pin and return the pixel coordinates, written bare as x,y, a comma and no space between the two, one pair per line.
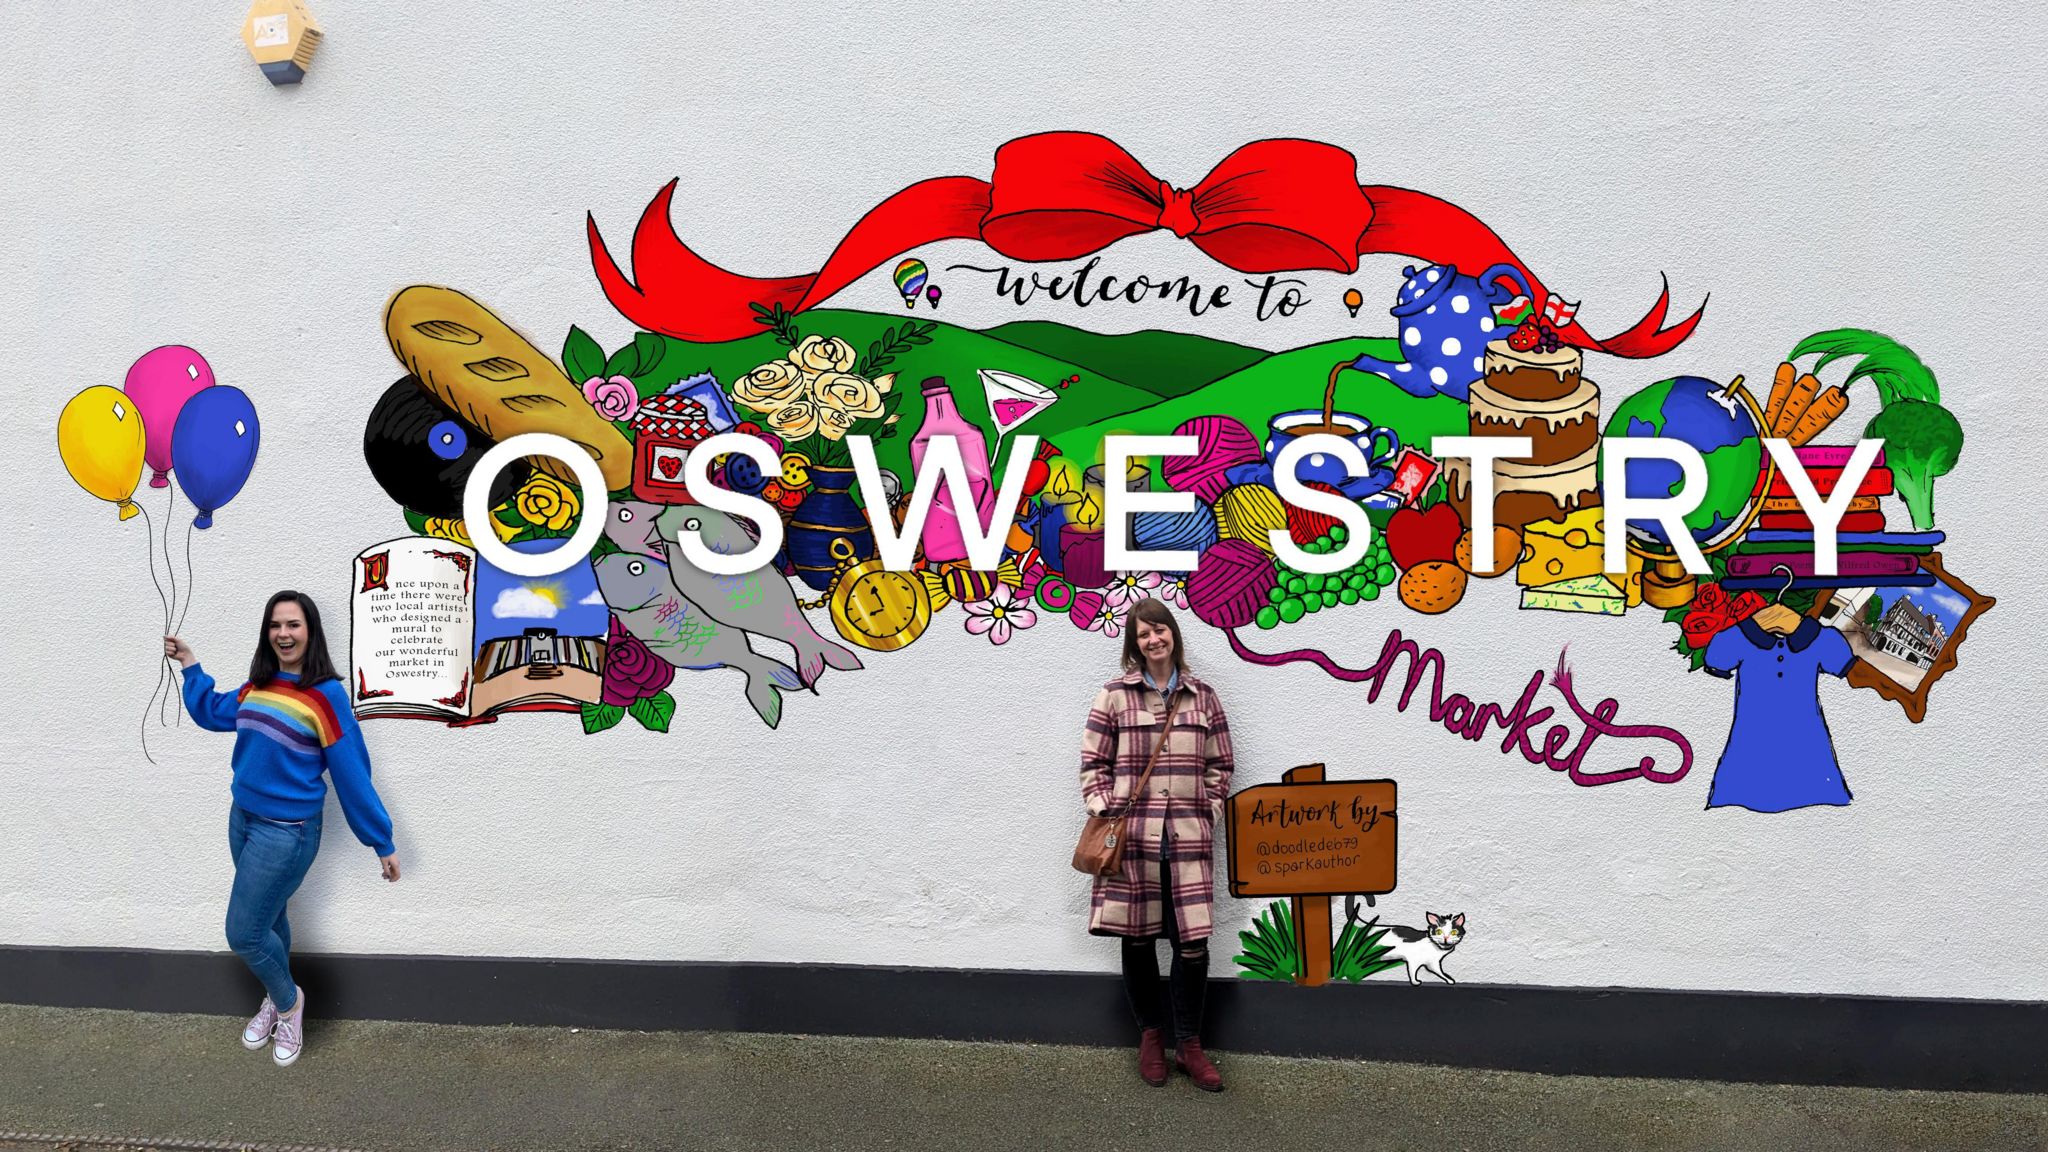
1445,321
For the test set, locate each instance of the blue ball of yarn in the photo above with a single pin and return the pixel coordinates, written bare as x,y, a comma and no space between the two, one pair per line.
1191,531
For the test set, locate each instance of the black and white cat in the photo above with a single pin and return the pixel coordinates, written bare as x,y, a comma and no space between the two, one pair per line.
1422,950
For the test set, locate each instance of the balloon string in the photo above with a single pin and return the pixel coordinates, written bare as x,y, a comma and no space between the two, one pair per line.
188,578
163,707
170,505
163,665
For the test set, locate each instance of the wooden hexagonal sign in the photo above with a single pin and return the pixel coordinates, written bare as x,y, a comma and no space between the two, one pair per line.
281,35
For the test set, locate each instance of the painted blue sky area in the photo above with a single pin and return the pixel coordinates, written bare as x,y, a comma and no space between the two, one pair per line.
567,601
1944,604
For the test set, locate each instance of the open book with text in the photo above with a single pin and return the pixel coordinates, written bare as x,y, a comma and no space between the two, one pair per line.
439,633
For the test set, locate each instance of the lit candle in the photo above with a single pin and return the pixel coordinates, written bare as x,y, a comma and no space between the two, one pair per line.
1081,547
1137,479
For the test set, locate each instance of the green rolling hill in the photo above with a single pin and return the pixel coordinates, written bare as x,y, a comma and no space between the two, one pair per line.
1165,364
1286,381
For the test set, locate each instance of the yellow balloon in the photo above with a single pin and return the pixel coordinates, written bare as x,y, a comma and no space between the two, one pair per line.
99,435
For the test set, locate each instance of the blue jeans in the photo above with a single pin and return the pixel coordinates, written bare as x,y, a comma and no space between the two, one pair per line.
271,858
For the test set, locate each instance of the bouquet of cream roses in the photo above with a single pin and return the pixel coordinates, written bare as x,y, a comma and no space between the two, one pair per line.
812,399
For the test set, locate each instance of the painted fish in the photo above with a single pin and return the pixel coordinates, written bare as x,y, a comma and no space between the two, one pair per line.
760,602
640,593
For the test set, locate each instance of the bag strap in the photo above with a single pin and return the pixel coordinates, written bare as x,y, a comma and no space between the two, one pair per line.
1137,790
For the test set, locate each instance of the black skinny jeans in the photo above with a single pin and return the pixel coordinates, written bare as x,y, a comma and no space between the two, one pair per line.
1188,979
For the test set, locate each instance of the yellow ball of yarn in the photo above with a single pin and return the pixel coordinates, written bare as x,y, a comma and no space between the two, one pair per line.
1250,512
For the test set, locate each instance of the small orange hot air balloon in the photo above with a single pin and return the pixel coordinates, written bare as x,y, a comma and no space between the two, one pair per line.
1353,301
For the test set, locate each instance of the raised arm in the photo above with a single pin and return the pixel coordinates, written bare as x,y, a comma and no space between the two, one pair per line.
211,710
1098,755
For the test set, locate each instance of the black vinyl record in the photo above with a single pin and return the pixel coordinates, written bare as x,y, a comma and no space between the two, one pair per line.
422,452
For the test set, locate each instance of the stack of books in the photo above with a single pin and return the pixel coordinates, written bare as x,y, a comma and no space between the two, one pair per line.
1866,556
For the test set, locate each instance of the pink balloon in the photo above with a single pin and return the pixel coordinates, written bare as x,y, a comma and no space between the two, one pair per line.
159,383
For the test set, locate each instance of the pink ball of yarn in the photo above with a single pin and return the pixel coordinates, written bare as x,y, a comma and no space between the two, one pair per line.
1231,584
1222,443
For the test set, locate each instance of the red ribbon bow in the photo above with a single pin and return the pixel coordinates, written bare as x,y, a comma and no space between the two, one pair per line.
1714,611
1271,206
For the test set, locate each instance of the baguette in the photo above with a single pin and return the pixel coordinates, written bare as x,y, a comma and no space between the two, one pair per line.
476,364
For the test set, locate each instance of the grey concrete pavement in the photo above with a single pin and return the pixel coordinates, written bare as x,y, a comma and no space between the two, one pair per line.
407,1086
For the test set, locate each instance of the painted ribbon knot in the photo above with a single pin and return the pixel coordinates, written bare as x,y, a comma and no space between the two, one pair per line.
1177,210
1271,206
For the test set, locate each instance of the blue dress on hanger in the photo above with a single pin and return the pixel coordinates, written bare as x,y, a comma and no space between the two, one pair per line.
1779,754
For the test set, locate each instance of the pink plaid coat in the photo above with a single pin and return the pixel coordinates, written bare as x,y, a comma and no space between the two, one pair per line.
1177,812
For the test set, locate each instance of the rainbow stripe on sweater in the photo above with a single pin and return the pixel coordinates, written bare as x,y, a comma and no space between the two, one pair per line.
298,718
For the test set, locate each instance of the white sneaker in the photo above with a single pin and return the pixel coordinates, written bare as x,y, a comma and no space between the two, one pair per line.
257,1033
288,1038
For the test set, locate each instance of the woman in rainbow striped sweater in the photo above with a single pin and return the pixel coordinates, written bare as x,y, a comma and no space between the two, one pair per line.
291,721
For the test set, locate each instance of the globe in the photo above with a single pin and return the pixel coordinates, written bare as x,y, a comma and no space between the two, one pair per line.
1720,424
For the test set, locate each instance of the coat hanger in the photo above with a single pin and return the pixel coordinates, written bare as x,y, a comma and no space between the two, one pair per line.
1790,576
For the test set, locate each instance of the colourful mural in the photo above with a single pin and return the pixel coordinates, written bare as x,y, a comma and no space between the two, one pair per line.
1462,451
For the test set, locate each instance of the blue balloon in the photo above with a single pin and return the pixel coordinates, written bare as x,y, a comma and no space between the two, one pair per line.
214,443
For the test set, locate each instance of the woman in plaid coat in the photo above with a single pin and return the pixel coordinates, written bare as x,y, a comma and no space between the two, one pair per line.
1166,885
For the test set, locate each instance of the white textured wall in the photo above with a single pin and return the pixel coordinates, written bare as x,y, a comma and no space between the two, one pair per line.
1881,170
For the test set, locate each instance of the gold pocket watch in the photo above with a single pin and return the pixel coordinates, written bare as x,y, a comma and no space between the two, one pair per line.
873,607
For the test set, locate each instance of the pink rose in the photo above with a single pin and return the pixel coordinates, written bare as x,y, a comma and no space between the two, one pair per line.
614,397
631,671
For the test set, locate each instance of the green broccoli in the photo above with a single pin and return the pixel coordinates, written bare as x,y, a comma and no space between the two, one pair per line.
1921,441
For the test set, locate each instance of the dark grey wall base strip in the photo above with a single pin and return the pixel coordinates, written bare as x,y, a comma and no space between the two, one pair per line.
1982,1045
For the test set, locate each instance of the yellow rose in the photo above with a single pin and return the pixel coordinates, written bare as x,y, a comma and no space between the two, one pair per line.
856,396
794,421
503,531
447,528
769,387
546,501
833,424
823,354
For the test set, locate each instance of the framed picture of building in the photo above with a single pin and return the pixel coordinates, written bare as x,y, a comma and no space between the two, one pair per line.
1904,639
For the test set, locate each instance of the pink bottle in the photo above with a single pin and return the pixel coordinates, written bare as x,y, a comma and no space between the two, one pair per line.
942,539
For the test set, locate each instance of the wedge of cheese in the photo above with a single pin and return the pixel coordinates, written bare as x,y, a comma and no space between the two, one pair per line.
1557,550
1630,582
1593,595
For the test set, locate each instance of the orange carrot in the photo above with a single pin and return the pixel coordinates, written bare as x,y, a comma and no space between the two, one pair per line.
1819,414
1780,387
1796,402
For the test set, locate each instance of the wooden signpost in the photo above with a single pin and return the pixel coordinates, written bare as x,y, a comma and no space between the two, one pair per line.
1309,839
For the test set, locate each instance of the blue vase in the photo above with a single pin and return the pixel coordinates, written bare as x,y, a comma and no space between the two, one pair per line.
828,513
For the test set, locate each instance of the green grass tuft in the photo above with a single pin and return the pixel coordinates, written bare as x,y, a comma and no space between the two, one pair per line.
1269,952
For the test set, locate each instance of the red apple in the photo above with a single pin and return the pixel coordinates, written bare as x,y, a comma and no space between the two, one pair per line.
1418,537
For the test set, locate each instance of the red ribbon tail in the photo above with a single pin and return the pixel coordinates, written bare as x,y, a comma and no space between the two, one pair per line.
679,293
1646,337
1410,223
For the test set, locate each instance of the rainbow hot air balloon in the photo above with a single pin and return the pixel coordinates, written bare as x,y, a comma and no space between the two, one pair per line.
910,278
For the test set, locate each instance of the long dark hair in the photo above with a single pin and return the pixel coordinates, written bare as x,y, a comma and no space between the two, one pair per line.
1152,611
316,667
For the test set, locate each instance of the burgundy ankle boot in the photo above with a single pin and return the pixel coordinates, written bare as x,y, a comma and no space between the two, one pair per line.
1152,1057
1198,1068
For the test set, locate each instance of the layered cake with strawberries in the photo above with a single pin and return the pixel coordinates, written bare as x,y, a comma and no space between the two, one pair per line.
1533,386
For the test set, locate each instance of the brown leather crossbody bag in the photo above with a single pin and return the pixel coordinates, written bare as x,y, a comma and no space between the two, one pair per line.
1101,850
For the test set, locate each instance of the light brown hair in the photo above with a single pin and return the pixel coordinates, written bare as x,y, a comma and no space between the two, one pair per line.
1151,611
